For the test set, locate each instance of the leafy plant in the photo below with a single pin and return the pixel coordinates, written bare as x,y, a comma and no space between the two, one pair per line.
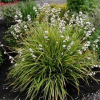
94,18
28,10
75,5
80,5
15,33
8,12
52,56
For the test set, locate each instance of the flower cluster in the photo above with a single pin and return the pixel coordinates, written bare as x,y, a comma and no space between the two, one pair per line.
20,29
18,16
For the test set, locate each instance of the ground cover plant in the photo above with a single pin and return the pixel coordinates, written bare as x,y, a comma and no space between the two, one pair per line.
15,33
56,53
8,12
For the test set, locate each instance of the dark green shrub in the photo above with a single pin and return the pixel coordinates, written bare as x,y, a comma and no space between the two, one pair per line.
75,5
80,5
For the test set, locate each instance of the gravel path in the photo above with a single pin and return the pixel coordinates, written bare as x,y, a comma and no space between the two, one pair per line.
41,2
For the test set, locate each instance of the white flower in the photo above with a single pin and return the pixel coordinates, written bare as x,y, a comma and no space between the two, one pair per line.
15,64
1,45
97,40
46,32
15,16
30,49
61,36
5,52
64,40
67,38
40,45
34,8
72,43
19,21
62,53
80,52
33,56
23,59
25,26
69,47
93,29
45,37
88,58
10,57
40,48
12,61
64,46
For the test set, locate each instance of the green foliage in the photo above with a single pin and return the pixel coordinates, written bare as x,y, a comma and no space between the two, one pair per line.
8,12
15,33
75,5
94,18
80,5
50,10
26,9
63,8
49,60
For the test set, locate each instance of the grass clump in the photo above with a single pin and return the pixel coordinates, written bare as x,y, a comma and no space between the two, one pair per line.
28,10
52,56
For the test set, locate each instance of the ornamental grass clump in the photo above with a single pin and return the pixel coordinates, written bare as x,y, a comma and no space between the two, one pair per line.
51,57
28,10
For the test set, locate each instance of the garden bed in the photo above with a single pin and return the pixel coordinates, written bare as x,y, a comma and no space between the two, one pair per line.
50,47
87,92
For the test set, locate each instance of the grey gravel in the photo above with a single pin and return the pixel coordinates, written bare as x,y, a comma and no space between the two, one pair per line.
41,2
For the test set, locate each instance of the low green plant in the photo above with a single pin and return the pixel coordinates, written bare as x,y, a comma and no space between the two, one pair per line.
47,11
15,33
28,10
52,56
63,8
8,12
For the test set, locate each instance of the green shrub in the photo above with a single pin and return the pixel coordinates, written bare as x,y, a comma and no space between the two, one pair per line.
75,5
94,18
28,10
52,56
8,12
15,33
80,5
63,8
